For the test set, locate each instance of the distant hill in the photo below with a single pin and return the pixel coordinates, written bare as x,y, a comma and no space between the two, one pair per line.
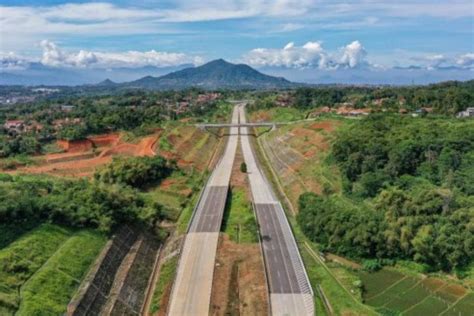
217,74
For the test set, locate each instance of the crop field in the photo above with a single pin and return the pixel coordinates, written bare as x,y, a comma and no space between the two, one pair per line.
393,292
42,269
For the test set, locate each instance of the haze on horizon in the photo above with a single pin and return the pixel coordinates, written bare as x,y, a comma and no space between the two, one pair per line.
76,42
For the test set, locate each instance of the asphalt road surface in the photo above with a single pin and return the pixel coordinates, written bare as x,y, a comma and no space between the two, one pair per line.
191,293
290,290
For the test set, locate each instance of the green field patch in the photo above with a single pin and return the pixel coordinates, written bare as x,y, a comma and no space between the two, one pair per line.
22,258
393,292
11,232
409,298
464,307
430,306
376,282
239,220
51,288
167,272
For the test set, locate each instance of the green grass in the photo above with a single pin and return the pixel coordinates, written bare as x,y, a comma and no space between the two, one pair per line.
13,162
376,282
164,144
338,297
11,232
430,306
392,292
22,258
51,287
40,271
239,220
166,276
463,307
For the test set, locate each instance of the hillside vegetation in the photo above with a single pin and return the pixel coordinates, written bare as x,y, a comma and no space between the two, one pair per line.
408,193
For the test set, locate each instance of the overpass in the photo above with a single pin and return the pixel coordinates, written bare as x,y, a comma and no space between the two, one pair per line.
273,125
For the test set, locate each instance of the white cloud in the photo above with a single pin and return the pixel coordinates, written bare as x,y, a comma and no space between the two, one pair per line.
466,60
290,27
56,57
353,55
11,61
310,55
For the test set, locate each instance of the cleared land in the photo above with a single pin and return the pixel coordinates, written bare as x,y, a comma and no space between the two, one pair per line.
82,158
296,152
41,270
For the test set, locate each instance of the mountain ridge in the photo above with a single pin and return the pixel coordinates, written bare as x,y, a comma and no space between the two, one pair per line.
216,74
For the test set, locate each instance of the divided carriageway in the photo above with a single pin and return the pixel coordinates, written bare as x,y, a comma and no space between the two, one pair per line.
289,288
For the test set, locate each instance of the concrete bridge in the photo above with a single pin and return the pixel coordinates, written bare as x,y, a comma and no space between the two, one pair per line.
273,125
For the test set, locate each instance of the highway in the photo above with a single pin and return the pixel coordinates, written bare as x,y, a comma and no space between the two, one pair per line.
191,292
289,287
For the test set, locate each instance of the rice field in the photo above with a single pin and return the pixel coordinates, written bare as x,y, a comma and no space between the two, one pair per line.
391,292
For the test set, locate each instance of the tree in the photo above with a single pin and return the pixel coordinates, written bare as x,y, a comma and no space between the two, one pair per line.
243,167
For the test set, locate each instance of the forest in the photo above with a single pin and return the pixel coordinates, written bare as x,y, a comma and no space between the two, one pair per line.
408,193
447,98
111,199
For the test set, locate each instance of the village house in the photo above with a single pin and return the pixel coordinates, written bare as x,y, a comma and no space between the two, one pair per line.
67,121
469,112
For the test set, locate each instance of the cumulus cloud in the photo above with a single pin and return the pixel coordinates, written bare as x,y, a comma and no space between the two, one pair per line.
466,60
56,57
353,55
309,55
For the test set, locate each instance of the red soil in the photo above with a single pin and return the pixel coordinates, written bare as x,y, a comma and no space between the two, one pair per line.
79,162
324,125
75,146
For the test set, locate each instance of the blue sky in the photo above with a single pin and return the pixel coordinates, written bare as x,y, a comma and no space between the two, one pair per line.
296,38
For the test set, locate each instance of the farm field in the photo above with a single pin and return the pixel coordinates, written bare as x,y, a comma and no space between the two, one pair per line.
41,270
390,291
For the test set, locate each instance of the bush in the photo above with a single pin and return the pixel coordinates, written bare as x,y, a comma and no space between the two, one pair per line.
137,172
372,265
243,167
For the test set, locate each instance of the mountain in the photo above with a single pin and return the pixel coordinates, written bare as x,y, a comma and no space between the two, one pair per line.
217,74
39,74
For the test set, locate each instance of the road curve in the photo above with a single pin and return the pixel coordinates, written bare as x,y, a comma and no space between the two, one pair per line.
289,287
191,293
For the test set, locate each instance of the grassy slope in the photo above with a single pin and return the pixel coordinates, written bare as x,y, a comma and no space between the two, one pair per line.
42,269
